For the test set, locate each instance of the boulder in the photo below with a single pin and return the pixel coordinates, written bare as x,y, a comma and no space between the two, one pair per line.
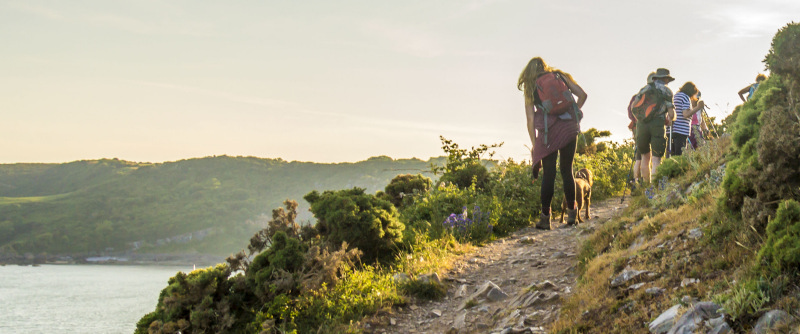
664,322
694,318
487,291
770,320
430,279
628,275
401,278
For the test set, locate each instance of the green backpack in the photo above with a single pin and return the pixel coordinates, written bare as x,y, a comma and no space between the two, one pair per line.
647,103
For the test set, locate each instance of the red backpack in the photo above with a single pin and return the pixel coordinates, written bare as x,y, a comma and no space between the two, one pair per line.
554,95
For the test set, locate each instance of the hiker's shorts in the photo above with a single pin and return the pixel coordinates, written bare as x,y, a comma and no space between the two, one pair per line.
650,135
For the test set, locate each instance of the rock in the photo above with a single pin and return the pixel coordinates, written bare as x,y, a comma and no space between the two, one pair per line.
654,291
636,286
626,276
484,309
460,321
544,285
413,307
558,255
689,281
430,278
509,321
691,321
436,312
401,278
696,233
452,330
718,326
688,300
664,322
462,291
527,240
770,320
488,291
392,322
636,244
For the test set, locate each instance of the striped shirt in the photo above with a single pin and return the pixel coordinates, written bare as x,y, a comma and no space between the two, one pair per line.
681,102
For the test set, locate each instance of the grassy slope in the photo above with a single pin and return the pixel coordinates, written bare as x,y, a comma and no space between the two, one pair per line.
87,206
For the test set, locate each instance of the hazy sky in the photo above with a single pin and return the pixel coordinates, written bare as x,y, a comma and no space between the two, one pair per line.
333,81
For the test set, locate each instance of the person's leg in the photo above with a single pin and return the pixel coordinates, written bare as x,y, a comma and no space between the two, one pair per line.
637,172
658,141
643,138
548,181
678,143
646,167
567,156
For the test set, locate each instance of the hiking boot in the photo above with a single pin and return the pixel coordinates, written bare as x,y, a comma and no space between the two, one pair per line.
572,214
544,222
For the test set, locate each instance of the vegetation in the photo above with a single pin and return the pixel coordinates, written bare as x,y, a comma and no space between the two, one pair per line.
209,205
326,277
741,191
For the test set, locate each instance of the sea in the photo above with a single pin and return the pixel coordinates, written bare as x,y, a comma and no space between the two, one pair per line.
79,298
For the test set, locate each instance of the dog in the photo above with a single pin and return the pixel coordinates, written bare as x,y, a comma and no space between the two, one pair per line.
583,194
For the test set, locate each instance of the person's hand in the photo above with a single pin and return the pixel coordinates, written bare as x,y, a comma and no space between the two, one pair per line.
701,104
535,171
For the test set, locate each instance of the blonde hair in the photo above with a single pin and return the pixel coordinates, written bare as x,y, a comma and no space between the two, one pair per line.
527,79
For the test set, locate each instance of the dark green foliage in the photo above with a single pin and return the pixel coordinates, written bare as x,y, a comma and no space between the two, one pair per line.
783,55
362,220
781,252
284,257
405,185
203,301
587,144
464,167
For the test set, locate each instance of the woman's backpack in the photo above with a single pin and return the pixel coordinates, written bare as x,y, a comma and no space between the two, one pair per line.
556,99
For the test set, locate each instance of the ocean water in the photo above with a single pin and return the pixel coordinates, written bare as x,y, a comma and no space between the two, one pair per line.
79,298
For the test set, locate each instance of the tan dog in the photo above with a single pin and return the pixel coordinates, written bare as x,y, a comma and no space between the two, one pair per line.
583,194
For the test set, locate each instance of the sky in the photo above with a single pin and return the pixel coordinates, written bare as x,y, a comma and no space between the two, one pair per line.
342,81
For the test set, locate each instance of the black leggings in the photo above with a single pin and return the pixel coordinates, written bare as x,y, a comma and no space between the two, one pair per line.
549,176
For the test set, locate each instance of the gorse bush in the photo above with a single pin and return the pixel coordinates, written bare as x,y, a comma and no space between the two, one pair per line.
362,220
406,185
781,251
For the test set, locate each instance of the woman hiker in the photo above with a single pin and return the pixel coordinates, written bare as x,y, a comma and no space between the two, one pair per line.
681,128
560,138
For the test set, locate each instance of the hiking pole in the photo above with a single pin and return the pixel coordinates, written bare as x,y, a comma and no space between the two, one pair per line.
669,143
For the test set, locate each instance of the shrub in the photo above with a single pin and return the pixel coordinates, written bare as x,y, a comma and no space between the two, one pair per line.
672,167
781,252
463,168
284,257
204,300
783,54
406,184
362,220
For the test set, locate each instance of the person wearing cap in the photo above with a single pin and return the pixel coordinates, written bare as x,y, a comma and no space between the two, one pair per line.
750,89
651,138
637,156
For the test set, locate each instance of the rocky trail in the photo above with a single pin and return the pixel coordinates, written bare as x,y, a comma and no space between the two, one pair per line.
512,285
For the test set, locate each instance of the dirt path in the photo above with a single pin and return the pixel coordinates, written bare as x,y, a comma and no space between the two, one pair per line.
519,266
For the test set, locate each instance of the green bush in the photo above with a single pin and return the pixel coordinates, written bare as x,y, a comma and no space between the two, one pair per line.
362,220
463,167
781,252
204,300
672,167
404,185
783,54
284,256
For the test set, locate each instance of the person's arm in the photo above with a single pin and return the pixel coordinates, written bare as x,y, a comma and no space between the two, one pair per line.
531,130
744,91
670,115
576,90
691,111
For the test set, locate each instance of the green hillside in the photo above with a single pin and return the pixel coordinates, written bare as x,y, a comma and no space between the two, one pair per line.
206,205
